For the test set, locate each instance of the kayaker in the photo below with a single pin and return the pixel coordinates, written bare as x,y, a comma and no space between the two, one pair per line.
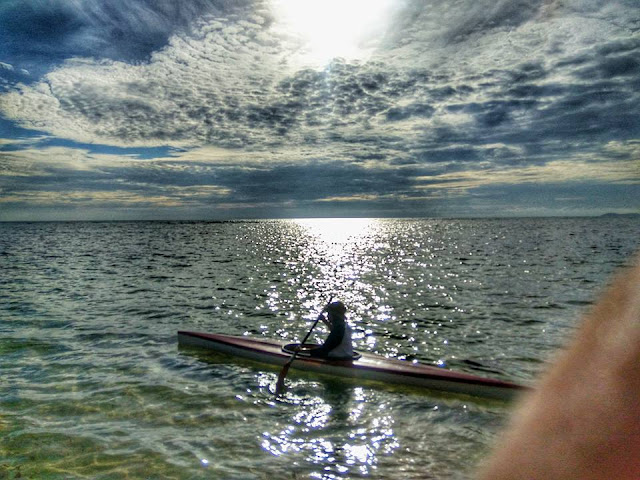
338,344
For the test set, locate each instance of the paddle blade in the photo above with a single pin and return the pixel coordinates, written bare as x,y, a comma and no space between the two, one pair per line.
281,377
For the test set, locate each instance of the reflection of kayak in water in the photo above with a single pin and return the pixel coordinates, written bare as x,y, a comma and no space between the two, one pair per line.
365,366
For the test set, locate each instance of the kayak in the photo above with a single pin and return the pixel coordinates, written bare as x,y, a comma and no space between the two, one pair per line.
363,366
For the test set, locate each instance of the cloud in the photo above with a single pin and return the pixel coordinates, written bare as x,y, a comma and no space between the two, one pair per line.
89,199
59,168
457,99
9,75
121,30
576,170
229,83
194,91
35,161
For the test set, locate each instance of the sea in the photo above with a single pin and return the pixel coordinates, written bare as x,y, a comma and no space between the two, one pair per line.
93,384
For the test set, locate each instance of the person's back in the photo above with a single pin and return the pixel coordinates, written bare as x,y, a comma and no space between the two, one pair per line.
338,344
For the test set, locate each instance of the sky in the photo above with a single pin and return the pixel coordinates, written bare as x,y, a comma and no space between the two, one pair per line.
224,109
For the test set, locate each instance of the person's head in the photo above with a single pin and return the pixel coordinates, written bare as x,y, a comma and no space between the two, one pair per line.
336,310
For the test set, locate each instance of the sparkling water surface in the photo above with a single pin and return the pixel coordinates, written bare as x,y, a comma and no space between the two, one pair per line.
93,383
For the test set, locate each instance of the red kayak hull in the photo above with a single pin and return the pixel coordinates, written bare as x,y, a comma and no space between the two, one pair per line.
368,367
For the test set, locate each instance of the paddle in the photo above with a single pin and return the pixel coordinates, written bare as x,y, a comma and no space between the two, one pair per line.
285,368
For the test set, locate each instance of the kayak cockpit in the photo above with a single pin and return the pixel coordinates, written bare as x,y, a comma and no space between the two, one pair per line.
304,351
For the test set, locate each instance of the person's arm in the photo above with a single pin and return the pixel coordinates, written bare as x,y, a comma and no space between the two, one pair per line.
582,421
333,340
326,321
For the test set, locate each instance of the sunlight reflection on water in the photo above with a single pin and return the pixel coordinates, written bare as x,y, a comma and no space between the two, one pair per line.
335,244
94,386
342,430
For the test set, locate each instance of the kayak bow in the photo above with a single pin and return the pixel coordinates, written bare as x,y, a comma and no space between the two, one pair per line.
367,366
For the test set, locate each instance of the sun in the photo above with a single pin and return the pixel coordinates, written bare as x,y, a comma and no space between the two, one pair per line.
328,29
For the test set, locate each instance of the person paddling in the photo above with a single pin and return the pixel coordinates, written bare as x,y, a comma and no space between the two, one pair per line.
338,344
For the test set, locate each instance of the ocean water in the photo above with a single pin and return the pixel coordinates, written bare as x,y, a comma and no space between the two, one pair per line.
93,384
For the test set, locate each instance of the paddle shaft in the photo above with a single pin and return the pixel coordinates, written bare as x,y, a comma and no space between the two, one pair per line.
304,340
285,368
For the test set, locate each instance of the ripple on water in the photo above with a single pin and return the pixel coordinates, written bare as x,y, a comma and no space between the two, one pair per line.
93,385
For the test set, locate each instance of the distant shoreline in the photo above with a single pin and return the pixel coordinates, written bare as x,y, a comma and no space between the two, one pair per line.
241,220
625,215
